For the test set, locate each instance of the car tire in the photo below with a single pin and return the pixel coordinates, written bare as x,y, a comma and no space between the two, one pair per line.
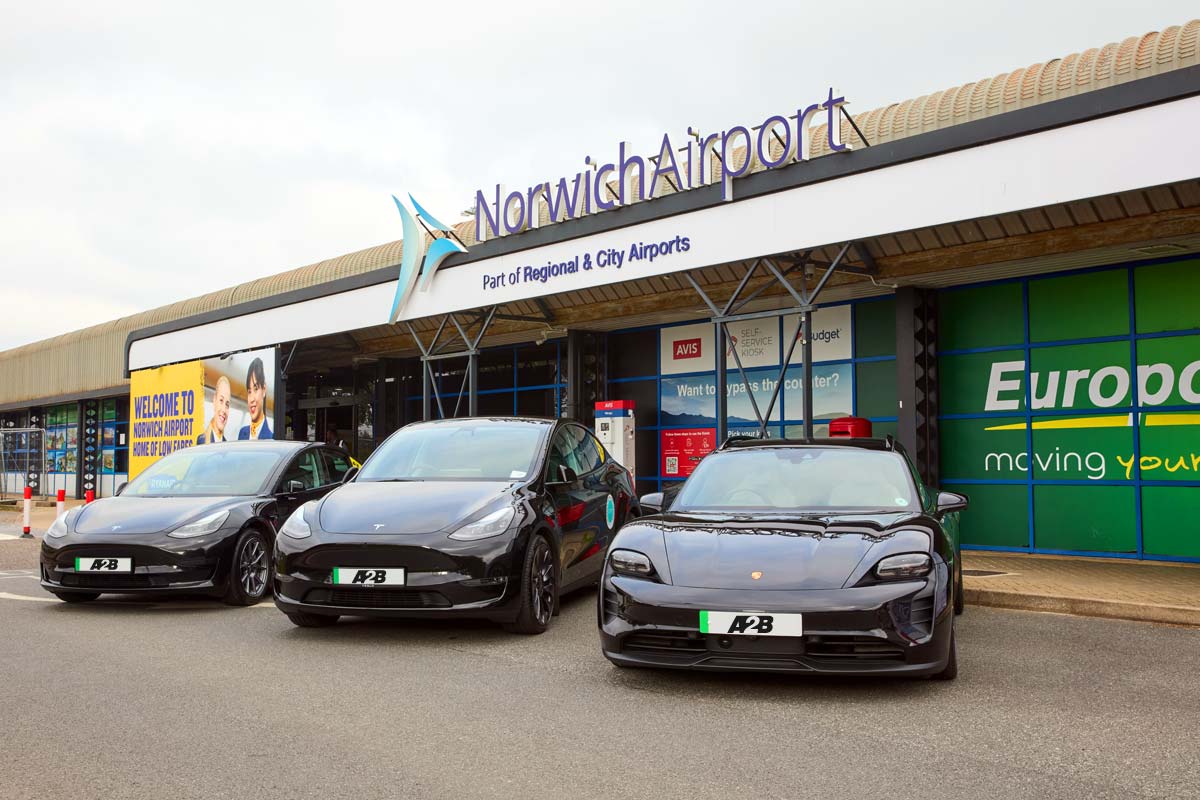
249,571
960,602
304,620
539,590
76,597
950,672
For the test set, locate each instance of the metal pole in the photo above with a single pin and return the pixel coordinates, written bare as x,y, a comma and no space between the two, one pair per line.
808,388
722,400
473,384
425,387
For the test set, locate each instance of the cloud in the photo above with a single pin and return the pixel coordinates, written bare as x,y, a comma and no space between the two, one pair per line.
153,152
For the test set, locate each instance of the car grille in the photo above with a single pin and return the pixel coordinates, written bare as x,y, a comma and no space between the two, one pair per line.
851,648
921,615
663,642
107,581
377,598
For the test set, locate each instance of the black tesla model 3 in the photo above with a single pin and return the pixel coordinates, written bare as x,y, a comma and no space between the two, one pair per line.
478,517
199,521
782,556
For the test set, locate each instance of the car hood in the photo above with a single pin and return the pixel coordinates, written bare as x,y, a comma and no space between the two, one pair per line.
406,507
786,551
119,515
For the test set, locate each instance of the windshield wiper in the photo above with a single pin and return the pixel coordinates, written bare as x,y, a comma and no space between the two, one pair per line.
393,480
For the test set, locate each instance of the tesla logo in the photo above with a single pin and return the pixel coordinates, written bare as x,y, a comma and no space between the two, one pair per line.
104,563
370,576
687,348
745,622
756,575
378,525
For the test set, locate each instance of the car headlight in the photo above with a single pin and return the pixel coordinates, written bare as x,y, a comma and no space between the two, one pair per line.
198,527
63,524
905,565
296,526
632,563
493,524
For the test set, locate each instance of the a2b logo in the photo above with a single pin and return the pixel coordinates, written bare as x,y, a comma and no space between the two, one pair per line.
370,576
104,563
745,622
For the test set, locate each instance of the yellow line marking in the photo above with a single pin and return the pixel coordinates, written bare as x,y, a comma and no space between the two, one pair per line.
1107,421
1170,419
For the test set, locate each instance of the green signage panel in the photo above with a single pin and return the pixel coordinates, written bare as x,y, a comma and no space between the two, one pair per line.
1097,518
981,316
998,515
1099,306
1160,292
1171,521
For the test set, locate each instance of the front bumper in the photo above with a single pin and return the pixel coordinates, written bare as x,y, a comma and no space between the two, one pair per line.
160,563
884,629
464,580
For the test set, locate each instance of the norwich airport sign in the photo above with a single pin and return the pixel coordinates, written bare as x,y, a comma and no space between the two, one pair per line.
778,141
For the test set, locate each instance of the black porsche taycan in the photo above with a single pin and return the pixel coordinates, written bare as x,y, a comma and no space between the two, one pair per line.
779,556
199,521
479,517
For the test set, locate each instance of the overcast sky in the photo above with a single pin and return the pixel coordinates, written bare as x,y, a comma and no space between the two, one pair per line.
155,151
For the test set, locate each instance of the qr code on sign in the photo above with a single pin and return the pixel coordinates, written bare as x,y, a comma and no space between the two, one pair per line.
672,465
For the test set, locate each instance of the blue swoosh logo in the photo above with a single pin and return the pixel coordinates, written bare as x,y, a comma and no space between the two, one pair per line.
417,269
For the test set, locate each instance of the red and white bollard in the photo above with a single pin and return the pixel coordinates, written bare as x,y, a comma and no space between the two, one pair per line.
60,506
89,496
25,534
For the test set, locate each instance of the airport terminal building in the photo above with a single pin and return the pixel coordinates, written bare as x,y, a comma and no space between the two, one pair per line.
1004,275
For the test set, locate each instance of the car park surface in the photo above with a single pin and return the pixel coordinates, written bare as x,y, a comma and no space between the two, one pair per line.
183,699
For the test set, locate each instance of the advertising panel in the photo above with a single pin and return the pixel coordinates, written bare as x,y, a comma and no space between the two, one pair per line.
689,348
197,402
683,449
832,337
166,406
1061,448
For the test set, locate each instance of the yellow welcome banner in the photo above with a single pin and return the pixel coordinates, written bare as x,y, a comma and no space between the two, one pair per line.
166,407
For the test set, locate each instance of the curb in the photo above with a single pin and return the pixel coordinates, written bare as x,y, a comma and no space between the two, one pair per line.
1084,607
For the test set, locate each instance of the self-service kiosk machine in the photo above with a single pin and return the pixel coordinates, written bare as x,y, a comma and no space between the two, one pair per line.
615,429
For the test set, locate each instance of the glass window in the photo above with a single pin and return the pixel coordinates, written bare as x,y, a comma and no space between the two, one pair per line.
800,478
307,469
576,449
200,471
337,464
458,450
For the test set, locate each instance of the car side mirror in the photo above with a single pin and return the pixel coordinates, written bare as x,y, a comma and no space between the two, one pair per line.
350,475
652,502
951,501
293,487
120,488
565,475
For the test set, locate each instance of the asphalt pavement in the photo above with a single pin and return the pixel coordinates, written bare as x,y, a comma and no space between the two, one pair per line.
129,698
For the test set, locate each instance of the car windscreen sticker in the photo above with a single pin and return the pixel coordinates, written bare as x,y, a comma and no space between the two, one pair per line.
610,512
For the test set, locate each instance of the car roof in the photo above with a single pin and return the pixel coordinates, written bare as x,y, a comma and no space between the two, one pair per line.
269,444
887,444
460,420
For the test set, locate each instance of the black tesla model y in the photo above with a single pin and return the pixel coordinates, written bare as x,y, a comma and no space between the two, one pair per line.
491,518
199,521
782,556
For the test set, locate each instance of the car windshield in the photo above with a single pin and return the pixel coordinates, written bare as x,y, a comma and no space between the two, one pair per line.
799,478
477,450
207,470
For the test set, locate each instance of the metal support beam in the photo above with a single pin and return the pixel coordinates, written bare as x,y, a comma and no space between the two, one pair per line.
435,352
805,303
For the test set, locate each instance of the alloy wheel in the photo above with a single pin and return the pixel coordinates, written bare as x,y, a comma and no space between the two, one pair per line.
542,584
252,567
